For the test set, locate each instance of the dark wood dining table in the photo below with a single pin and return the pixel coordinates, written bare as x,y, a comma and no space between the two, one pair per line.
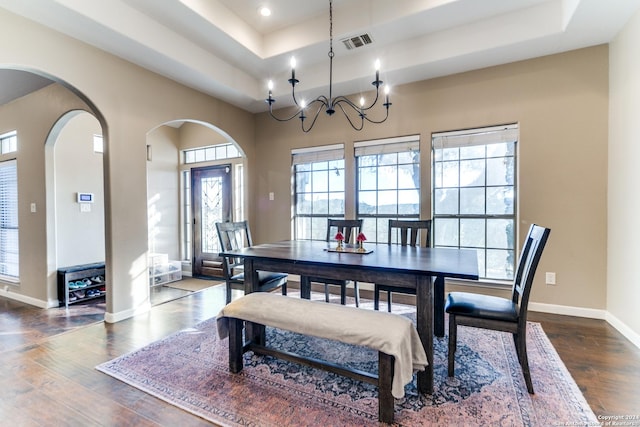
422,269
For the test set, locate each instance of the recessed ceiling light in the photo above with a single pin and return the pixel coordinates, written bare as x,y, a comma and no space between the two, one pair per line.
265,11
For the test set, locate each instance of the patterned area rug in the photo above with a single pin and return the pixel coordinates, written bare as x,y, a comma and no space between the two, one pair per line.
189,369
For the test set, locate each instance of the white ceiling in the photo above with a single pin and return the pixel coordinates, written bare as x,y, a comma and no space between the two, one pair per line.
226,49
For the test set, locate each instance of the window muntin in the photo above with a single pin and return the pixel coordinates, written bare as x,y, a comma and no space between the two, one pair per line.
211,153
9,231
388,184
319,189
9,142
474,193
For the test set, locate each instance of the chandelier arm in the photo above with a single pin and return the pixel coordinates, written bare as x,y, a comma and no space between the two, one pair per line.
341,99
315,116
377,122
362,117
283,120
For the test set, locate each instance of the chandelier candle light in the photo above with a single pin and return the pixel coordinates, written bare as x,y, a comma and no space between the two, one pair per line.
330,103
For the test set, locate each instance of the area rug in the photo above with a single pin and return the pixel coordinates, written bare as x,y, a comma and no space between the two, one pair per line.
189,369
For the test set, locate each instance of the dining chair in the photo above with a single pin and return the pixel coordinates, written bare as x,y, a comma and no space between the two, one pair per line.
237,235
407,233
501,314
349,228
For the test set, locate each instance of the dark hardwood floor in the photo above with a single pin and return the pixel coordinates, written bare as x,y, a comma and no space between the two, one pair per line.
47,360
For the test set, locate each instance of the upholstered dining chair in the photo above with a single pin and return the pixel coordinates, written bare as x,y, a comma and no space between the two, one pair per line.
237,235
501,314
348,228
408,233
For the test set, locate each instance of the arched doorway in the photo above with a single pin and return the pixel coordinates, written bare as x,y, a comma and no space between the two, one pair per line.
195,177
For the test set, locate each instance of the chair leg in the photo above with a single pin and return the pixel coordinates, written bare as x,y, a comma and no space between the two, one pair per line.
376,297
326,292
343,294
228,293
284,288
524,360
452,344
389,301
356,291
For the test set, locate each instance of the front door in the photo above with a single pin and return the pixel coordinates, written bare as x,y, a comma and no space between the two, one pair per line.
211,196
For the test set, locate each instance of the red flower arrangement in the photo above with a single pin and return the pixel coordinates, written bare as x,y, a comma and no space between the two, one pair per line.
360,239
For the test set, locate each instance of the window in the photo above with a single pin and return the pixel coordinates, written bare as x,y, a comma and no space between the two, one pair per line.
186,215
388,183
9,254
98,144
474,194
216,153
208,154
318,175
9,142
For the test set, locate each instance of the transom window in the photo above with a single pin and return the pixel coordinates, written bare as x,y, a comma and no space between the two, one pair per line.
474,194
9,142
208,154
319,182
388,183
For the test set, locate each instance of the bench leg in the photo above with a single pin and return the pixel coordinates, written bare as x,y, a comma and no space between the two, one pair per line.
255,333
385,398
235,345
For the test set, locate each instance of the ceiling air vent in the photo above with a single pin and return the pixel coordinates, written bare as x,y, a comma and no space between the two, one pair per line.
354,42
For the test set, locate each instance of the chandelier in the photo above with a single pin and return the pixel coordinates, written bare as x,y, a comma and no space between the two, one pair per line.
356,114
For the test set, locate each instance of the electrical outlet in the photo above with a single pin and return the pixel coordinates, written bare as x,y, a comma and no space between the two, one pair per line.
550,278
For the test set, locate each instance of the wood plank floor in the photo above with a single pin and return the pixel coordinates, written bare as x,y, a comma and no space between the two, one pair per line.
47,360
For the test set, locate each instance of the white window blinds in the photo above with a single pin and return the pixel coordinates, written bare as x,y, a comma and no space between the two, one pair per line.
474,137
387,145
317,154
9,261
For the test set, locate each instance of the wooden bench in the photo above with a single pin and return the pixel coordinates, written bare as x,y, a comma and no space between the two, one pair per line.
400,351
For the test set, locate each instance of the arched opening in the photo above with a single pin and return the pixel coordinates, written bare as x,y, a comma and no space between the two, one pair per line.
195,178
75,197
41,109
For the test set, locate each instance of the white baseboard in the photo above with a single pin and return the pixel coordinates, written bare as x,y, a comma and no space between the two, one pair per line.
566,310
590,313
126,314
623,329
26,299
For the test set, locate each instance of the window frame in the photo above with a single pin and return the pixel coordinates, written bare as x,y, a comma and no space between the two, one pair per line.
10,197
375,226
479,137
316,156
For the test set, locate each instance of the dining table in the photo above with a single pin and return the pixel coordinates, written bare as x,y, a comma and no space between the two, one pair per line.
418,268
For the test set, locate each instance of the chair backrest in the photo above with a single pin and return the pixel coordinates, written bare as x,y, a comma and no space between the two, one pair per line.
409,232
232,236
348,228
527,265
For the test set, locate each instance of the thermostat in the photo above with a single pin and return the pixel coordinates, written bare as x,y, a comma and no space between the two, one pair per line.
85,197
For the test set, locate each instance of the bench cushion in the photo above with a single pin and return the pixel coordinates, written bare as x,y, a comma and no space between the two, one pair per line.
386,332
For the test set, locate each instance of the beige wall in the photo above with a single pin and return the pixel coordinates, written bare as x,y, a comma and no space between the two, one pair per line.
163,192
623,280
560,103
129,102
